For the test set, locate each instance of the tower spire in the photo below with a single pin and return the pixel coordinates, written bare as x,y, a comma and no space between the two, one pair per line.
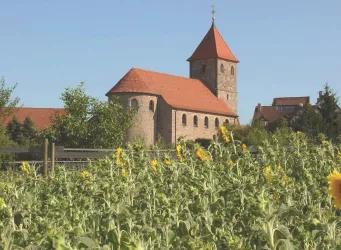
213,11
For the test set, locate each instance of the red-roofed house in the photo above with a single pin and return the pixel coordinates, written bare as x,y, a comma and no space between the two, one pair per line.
281,107
173,106
39,116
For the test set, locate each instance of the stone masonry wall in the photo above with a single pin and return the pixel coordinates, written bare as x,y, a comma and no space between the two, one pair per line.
191,132
227,83
165,120
209,77
144,122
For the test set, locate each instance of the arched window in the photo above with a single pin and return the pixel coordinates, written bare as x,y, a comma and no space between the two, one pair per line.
195,121
227,96
222,68
206,122
232,70
227,121
133,103
184,120
216,122
151,105
203,68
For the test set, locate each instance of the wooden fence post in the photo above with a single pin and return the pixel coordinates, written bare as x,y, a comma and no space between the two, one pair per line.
46,151
52,157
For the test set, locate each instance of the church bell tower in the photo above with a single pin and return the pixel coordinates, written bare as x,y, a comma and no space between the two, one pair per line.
215,65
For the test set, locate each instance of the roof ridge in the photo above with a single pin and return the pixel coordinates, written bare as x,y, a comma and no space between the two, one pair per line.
167,74
34,108
291,97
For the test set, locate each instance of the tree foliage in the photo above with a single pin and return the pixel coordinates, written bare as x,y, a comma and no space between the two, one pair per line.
328,107
89,122
7,103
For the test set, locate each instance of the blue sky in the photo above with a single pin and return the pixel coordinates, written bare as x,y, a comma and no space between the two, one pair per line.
285,48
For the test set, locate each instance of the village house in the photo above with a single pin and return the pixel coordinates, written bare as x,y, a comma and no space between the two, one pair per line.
282,107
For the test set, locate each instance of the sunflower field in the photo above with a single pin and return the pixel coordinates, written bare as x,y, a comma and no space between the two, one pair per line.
224,197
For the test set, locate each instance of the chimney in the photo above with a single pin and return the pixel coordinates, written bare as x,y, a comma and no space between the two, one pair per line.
259,106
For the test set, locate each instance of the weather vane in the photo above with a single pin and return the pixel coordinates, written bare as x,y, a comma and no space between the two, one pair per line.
213,11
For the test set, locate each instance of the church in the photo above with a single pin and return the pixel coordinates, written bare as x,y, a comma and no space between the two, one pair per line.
172,106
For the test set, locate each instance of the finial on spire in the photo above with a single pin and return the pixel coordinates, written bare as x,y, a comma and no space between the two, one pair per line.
213,11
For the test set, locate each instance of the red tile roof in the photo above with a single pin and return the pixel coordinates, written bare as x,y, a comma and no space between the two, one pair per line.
178,92
270,113
213,46
290,100
39,116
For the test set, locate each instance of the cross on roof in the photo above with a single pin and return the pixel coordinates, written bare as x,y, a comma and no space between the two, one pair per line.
213,11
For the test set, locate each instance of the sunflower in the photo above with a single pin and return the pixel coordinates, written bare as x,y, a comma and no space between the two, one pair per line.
25,167
334,181
285,180
339,155
278,168
230,162
85,174
124,173
201,154
178,153
224,134
268,173
276,196
118,157
244,148
167,162
154,164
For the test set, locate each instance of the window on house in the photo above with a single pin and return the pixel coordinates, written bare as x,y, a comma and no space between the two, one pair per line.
216,122
133,103
232,70
203,68
222,69
184,120
206,122
227,97
151,105
195,121
227,121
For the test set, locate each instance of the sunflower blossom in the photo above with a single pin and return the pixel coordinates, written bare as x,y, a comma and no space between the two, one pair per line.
324,143
334,181
224,134
276,196
285,180
154,164
339,155
278,168
178,153
230,162
167,162
25,167
124,173
201,154
85,174
244,148
268,173
118,157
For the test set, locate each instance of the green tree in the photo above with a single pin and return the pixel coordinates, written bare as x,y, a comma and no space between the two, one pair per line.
309,121
7,103
89,122
29,132
328,106
13,130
